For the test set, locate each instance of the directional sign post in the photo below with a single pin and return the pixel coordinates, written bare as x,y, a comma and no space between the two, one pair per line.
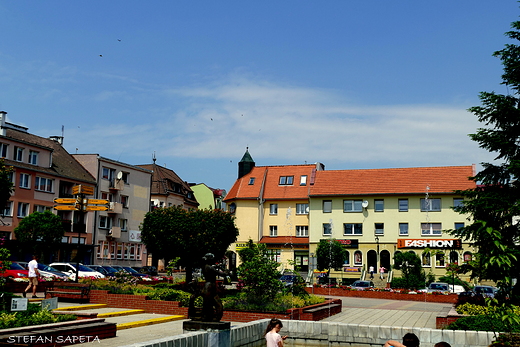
65,208
98,202
65,201
97,208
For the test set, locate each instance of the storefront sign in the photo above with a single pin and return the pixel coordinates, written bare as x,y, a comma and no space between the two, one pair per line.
349,243
135,236
351,269
429,243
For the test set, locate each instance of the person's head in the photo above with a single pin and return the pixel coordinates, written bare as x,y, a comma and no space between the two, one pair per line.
410,340
274,324
442,344
35,257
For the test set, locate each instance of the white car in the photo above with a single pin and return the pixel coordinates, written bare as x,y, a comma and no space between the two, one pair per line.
70,270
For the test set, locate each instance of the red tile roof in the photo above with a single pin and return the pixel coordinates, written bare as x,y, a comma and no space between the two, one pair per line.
269,178
393,181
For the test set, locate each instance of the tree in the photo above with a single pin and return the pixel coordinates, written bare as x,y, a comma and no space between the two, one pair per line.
259,273
495,202
188,234
330,254
410,265
40,233
6,183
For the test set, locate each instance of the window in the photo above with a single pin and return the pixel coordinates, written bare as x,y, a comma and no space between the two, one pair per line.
457,202
327,206
426,259
124,177
44,184
431,229
33,157
459,225
8,210
119,251
403,229
286,180
41,208
3,150
431,205
108,173
273,209
105,222
65,239
273,230
138,252
122,224
467,256
358,258
346,262
454,257
232,208
74,240
251,181
25,181
303,180
327,229
302,230
23,209
107,196
379,205
379,228
403,205
124,201
352,206
439,260
353,229
274,254
302,208
18,154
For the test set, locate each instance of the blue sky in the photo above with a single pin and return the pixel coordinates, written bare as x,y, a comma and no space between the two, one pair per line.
351,84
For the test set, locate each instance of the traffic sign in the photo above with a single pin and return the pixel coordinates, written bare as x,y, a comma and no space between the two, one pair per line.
65,208
81,189
97,208
64,201
98,202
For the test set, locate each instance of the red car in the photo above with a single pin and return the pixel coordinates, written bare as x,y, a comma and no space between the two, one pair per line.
15,271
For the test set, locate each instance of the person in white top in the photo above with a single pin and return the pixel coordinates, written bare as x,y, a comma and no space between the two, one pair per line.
272,336
34,276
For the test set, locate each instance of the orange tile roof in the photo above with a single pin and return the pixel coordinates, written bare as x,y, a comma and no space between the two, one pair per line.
393,181
285,240
269,176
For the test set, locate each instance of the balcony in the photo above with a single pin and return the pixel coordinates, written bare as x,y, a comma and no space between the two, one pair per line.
116,184
116,207
114,232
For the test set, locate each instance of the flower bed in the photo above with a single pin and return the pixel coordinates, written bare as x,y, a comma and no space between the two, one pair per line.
385,293
174,308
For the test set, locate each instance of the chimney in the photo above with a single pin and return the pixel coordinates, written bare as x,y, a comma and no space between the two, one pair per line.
3,116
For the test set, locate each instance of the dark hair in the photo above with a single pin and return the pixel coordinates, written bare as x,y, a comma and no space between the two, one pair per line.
272,324
410,340
442,344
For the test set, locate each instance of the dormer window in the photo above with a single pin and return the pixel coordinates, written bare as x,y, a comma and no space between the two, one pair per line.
33,157
251,181
286,180
18,154
303,180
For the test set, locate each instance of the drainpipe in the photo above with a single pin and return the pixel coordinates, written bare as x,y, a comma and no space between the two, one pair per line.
261,208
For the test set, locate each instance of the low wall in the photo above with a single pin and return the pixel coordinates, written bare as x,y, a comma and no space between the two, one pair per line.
425,297
446,318
334,334
174,308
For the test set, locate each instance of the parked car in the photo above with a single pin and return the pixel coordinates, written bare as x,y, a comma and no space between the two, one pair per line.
290,279
362,285
454,288
132,272
149,270
485,291
105,270
70,270
15,271
45,270
436,287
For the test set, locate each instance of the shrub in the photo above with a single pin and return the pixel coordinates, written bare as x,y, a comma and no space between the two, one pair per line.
33,316
482,323
280,303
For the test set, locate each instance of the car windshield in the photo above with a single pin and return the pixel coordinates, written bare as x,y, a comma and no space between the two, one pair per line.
44,267
85,268
109,269
484,290
16,266
438,286
129,269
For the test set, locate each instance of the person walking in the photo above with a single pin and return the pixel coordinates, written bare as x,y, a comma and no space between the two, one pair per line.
371,270
34,276
382,272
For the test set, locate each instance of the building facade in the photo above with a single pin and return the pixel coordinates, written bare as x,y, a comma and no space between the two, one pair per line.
43,171
208,198
116,231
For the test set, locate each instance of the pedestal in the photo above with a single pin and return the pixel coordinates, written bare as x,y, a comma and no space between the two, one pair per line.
218,332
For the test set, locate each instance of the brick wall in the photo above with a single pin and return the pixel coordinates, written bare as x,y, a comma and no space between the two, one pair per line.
449,298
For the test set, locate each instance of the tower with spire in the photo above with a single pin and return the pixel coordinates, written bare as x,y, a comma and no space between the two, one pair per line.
246,164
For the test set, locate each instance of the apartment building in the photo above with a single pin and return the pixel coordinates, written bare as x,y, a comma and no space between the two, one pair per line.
43,171
116,231
207,197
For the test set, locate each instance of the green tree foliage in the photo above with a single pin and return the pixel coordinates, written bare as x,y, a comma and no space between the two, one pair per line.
330,254
188,234
4,264
40,233
6,184
259,273
410,265
496,199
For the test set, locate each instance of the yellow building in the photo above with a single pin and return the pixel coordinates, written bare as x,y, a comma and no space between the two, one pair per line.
376,213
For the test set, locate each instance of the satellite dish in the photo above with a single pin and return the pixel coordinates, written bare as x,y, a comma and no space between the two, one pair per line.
119,175
364,204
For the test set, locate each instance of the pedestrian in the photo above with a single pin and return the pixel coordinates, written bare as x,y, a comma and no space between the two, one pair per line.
34,276
272,336
442,344
409,340
371,270
382,272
